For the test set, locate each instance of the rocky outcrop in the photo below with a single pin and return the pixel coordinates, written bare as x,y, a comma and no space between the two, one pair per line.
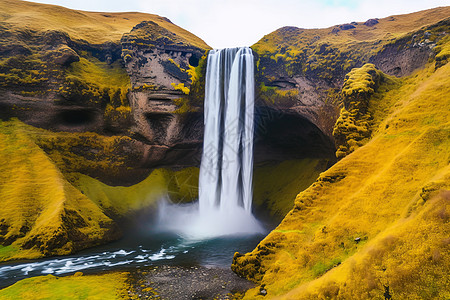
300,72
353,127
161,66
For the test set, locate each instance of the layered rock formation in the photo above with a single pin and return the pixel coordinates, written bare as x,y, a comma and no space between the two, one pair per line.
161,66
68,73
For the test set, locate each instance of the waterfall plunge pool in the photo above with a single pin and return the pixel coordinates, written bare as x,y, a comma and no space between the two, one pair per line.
155,243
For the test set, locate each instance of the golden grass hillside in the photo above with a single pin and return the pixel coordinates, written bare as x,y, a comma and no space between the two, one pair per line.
96,287
328,54
93,27
42,213
386,29
375,225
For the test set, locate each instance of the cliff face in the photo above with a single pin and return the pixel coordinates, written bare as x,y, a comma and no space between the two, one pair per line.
302,70
300,73
72,71
162,67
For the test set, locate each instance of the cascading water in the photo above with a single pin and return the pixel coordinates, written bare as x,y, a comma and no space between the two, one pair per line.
225,183
227,160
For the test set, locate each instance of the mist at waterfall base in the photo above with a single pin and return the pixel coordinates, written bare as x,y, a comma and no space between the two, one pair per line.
225,181
191,223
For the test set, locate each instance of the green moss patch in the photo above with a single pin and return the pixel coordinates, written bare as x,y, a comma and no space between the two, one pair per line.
277,184
179,186
353,128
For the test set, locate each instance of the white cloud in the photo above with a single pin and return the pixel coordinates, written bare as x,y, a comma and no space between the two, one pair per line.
230,23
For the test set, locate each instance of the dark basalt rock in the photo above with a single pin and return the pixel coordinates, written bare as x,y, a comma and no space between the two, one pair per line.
346,26
371,22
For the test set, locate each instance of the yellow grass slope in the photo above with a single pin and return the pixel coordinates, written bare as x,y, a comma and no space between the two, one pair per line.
376,224
42,213
93,27
386,29
93,287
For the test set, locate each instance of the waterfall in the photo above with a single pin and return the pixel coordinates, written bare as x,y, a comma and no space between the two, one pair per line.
227,161
225,182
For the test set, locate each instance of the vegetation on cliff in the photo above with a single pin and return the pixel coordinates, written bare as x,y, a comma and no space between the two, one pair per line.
74,58
353,128
42,213
375,224
297,67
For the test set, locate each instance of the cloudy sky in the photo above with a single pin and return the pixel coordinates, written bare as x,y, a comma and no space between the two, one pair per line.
231,23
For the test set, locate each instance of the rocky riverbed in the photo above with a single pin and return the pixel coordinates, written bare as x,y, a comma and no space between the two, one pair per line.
193,282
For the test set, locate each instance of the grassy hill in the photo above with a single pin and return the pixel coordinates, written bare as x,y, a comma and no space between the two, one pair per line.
381,30
374,225
327,55
42,213
93,27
